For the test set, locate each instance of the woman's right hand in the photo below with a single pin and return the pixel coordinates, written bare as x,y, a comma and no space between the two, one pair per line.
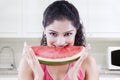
33,62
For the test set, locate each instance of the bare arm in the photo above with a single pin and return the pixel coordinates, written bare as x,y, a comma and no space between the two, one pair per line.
29,68
91,71
24,72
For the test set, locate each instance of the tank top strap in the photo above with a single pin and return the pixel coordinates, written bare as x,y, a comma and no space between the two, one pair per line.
46,74
43,66
80,75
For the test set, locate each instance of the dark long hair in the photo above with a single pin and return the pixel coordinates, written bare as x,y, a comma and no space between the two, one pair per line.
60,10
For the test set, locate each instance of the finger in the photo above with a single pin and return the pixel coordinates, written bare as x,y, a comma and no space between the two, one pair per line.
29,58
24,49
25,44
33,61
27,54
88,47
28,51
30,54
34,58
80,60
33,55
73,71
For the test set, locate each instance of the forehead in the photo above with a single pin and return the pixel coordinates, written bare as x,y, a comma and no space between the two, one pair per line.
60,26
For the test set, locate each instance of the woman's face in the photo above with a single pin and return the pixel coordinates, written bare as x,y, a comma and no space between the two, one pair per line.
60,33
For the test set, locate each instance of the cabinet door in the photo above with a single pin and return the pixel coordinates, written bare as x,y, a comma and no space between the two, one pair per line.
32,17
10,18
82,7
103,18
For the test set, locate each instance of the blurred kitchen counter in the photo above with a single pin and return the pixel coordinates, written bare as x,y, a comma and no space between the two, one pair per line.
9,76
109,73
8,72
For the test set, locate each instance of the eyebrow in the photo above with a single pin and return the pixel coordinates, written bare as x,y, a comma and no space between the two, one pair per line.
53,31
64,32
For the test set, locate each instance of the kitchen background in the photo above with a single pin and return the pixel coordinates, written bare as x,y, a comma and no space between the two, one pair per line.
20,21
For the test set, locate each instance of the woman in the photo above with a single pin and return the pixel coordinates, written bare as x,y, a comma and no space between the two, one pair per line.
62,27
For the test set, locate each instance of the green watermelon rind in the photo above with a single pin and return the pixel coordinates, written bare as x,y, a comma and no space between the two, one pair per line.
61,60
54,63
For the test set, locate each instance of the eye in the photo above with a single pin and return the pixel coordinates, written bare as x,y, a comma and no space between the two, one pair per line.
67,34
53,34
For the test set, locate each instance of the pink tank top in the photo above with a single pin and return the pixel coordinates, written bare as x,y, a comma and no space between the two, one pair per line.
48,77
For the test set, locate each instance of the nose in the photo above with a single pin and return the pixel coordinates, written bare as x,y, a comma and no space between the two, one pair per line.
60,41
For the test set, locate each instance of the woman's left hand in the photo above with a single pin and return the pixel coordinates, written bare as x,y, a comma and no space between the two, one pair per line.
72,74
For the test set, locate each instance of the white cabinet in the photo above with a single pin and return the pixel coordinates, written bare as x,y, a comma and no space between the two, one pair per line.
10,18
82,7
23,18
103,18
32,17
20,18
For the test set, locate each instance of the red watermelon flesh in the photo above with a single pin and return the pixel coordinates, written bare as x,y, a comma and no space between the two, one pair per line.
50,54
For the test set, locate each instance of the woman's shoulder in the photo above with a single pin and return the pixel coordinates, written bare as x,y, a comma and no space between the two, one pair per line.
89,66
89,62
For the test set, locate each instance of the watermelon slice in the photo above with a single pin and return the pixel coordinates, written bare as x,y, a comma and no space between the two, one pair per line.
57,55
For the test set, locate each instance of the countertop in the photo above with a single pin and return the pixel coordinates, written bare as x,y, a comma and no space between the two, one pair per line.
109,73
8,72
